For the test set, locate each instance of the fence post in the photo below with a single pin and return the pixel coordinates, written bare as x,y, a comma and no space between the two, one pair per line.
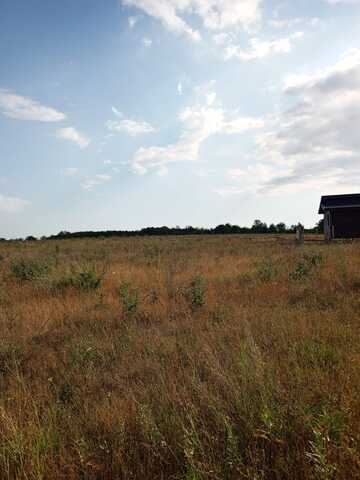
299,234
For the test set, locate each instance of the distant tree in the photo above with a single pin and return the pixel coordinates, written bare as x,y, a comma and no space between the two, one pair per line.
320,226
63,234
272,228
30,238
259,227
220,229
281,227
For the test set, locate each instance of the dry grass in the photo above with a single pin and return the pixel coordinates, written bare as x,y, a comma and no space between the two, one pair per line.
179,358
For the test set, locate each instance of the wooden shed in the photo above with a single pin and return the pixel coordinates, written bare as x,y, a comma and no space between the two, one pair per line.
341,216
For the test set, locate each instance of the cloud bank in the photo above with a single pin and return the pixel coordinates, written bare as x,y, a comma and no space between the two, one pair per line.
130,127
72,135
206,117
214,14
315,143
23,108
12,204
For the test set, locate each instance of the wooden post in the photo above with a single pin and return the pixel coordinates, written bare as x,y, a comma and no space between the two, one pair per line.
299,234
327,226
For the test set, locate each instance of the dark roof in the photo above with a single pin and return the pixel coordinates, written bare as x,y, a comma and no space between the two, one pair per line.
339,201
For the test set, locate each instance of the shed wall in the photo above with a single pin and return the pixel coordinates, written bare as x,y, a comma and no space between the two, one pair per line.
346,222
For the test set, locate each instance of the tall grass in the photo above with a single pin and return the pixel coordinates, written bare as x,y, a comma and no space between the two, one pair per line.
179,358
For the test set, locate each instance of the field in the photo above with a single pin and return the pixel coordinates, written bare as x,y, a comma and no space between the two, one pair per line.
209,357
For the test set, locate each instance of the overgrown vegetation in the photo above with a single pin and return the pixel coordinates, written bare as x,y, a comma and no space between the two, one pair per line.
29,269
85,280
179,358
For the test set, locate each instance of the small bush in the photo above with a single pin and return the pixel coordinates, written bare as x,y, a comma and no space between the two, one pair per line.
25,269
196,291
305,266
314,259
129,297
267,272
86,281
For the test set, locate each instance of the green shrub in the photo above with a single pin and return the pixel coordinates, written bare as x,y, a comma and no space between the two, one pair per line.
196,291
267,271
25,269
305,266
85,281
314,259
129,297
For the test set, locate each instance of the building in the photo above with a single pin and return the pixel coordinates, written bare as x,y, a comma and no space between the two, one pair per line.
341,216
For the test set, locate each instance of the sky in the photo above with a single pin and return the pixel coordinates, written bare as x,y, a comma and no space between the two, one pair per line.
123,114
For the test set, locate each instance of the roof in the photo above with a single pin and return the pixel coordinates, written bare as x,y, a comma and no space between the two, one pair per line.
329,202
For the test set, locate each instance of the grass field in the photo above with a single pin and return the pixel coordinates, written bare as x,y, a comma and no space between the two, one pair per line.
219,357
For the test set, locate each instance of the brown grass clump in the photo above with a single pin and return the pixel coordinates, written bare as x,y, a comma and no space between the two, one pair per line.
179,358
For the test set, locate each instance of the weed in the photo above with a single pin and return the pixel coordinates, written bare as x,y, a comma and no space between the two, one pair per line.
326,430
129,296
314,259
220,314
66,393
196,291
24,269
153,297
267,271
84,354
317,353
10,356
305,266
245,279
232,456
87,280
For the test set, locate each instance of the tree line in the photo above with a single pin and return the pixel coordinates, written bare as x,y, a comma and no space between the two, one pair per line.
258,227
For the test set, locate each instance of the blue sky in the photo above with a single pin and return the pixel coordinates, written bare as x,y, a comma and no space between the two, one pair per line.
130,113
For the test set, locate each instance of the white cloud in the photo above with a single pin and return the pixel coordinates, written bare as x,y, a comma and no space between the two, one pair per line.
72,135
23,108
315,143
215,14
147,42
200,121
223,38
132,21
90,183
183,84
12,204
117,112
131,127
336,2
262,48
293,22
343,76
70,171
